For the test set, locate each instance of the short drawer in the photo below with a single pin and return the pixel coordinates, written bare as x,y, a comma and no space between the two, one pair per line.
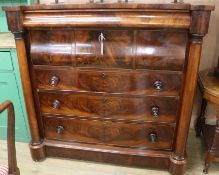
5,61
104,48
146,108
141,135
161,49
84,48
132,82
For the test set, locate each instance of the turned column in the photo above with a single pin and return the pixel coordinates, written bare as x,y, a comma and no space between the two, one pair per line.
15,19
199,27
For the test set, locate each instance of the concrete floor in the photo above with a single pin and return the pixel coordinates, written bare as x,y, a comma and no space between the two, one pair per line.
52,166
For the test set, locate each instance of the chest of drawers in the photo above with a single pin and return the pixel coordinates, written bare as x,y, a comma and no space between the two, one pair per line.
110,82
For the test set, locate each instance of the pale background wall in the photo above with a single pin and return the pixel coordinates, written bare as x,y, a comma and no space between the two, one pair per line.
210,51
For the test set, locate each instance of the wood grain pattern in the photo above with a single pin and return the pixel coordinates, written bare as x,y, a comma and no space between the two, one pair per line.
113,18
117,48
135,37
109,133
111,81
83,104
53,47
161,49
121,48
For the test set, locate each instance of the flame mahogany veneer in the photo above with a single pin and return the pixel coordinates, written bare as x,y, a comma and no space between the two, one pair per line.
110,82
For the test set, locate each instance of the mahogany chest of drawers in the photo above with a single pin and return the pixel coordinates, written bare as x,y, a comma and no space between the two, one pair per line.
110,82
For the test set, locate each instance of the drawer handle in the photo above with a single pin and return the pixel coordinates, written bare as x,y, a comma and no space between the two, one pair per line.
101,39
155,111
56,104
60,129
54,80
153,137
158,85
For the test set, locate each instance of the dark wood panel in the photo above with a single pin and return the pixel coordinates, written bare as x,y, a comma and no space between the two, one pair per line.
114,133
51,47
158,49
157,109
116,44
108,154
111,19
111,81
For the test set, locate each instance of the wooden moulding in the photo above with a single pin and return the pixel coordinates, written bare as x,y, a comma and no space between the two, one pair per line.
150,19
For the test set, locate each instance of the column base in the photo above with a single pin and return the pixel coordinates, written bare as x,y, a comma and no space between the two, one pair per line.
176,166
38,152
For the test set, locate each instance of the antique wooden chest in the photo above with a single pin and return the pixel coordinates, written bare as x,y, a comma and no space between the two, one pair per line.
110,82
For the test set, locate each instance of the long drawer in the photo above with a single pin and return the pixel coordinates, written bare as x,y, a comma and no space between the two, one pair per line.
141,49
112,81
146,108
140,135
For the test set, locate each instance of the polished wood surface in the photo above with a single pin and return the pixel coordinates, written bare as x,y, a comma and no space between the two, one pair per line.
112,82
157,49
109,133
209,86
141,49
12,160
130,5
114,107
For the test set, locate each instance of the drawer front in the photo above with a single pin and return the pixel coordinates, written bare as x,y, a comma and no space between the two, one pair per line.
158,109
112,133
164,50
53,47
141,49
105,48
111,48
5,61
131,82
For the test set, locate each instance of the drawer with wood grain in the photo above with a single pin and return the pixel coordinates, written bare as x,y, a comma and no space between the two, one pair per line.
143,108
161,49
127,49
164,83
142,135
106,48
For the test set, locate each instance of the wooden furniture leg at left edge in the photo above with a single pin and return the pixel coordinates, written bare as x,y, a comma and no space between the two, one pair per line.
36,145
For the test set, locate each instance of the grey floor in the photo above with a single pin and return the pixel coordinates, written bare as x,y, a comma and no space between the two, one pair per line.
53,166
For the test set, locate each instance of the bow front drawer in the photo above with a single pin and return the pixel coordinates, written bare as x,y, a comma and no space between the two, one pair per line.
146,108
111,133
111,81
127,49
